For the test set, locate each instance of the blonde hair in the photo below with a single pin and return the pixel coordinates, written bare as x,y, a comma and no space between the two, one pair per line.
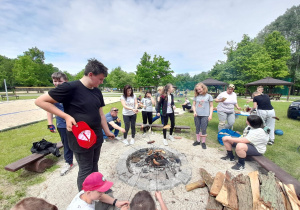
160,88
256,93
204,87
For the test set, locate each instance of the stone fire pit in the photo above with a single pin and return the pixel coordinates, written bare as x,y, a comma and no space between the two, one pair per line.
153,168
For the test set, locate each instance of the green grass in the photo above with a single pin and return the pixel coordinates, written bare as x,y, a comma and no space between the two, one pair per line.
16,144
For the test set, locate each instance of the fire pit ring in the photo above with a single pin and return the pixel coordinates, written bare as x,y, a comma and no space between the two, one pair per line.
169,169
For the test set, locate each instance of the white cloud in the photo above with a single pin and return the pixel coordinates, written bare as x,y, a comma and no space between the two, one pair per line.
190,34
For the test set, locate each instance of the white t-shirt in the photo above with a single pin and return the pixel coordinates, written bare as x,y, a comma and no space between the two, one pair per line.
129,102
78,203
169,108
258,138
228,105
148,103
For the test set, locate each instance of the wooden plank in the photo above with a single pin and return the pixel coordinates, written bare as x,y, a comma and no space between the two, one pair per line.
217,184
243,191
254,188
295,204
228,195
285,197
282,175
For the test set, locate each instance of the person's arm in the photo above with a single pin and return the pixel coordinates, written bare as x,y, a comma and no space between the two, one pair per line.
104,125
172,102
127,107
159,198
46,102
220,98
109,200
211,109
51,127
135,110
194,108
152,100
115,126
237,106
236,140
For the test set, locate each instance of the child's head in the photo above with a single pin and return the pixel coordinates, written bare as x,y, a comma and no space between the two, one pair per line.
148,94
95,67
95,185
127,91
255,121
159,89
58,78
200,89
168,89
142,201
256,93
33,203
260,89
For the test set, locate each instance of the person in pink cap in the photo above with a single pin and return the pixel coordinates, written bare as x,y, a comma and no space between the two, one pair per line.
93,189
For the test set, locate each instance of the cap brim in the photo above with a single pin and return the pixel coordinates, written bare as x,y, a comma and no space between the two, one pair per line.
107,185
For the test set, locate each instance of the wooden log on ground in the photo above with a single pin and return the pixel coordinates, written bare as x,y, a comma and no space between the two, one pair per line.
207,178
270,192
195,185
40,165
243,191
295,204
287,203
254,188
217,184
227,196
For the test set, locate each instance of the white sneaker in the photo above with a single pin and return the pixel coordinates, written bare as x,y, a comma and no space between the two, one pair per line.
144,135
125,141
171,138
132,141
66,168
165,142
118,138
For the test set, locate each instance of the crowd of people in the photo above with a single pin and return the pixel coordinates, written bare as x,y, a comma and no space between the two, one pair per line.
81,100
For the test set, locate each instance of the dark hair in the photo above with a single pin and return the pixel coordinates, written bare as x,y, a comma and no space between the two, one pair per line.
58,75
33,203
148,91
255,121
142,201
125,91
166,88
95,67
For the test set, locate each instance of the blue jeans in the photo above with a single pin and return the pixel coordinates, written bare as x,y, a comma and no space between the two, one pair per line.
116,132
68,153
157,117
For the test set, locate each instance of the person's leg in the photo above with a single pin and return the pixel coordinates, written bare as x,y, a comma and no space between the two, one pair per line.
87,163
144,115
230,120
155,117
162,119
203,126
270,122
197,125
172,119
126,120
228,146
150,117
104,135
133,121
183,107
68,153
222,120
116,131
165,123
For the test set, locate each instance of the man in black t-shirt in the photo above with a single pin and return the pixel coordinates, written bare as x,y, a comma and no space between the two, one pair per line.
82,101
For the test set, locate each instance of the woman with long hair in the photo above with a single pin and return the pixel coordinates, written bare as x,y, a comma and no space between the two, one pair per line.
129,103
147,110
166,102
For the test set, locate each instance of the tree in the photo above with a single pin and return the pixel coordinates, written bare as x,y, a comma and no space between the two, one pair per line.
279,50
36,55
118,78
6,66
153,73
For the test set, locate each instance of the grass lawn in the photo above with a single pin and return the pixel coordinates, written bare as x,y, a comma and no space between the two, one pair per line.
16,144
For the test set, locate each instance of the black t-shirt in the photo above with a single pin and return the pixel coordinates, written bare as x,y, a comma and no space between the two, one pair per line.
82,104
263,102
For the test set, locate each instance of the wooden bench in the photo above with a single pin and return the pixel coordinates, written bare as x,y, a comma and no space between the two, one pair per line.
9,95
34,162
274,96
282,175
177,128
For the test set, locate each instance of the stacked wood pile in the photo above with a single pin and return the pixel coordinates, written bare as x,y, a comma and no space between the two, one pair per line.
253,191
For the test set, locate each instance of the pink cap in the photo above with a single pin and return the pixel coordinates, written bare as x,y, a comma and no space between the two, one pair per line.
96,182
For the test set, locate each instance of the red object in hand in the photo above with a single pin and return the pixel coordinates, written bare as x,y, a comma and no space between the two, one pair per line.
51,128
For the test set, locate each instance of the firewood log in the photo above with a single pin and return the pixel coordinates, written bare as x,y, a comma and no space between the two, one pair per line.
199,184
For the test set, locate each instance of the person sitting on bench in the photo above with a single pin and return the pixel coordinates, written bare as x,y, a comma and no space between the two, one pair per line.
252,143
186,104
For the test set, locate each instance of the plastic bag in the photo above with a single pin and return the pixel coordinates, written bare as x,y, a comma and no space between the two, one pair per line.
227,132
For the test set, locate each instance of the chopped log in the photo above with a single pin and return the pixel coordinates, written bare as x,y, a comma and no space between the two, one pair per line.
195,185
287,203
227,196
254,188
207,178
217,184
292,188
243,190
270,192
292,198
212,204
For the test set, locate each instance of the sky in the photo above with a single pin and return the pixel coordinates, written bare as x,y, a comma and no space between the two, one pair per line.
191,34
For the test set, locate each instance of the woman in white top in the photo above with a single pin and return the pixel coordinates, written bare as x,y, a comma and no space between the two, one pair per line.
129,103
227,101
147,110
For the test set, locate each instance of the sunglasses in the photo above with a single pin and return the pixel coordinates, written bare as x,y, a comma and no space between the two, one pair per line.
116,110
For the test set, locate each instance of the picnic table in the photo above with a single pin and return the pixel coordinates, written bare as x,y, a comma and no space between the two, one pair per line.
274,96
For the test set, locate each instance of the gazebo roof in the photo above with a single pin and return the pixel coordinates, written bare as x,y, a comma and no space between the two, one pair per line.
210,82
269,81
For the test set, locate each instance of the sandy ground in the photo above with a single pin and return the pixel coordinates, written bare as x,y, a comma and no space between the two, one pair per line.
60,190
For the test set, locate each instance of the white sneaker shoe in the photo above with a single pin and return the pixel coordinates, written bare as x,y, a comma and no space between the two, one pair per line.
125,141
165,142
66,168
132,141
171,138
144,135
118,138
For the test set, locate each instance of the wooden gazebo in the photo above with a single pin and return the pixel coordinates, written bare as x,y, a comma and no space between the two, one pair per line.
215,83
270,82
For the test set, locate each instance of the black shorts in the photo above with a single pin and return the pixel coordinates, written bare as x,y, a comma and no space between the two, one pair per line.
252,151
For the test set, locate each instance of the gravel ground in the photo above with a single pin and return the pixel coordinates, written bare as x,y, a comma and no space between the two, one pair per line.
60,190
